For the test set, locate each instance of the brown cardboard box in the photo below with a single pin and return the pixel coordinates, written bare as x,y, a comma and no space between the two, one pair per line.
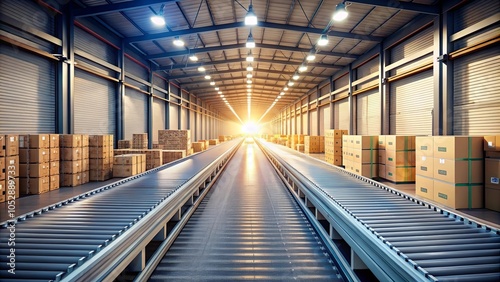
492,154
34,156
34,170
213,141
3,191
70,180
336,133
54,182
98,152
400,143
54,168
84,177
458,147
364,156
458,171
492,199
424,187
125,144
34,141
491,143
366,170
400,174
53,140
381,142
85,152
198,146
424,146
54,154
11,145
85,165
99,140
34,186
382,170
2,168
125,159
71,154
70,140
457,195
11,167
425,166
11,188
85,140
381,156
102,174
492,174
70,167
399,158
346,141
125,170
2,145
364,142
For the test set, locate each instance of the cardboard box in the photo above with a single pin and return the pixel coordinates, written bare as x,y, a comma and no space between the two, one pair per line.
99,140
492,154
491,143
125,144
492,199
198,146
424,166
3,191
53,140
70,167
34,141
400,143
2,168
70,141
399,158
11,166
85,140
458,147
140,141
34,170
457,195
381,156
364,156
85,153
71,154
11,145
364,142
34,186
454,171
54,168
102,174
54,183
424,146
84,177
125,170
213,141
9,189
2,145
382,170
381,142
366,170
172,155
424,187
125,159
335,133
54,154
400,174
300,147
492,173
85,165
34,156
346,141
70,180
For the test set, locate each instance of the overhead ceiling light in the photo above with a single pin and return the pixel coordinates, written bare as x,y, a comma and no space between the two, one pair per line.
249,94
250,57
340,13
275,100
207,76
323,40
224,99
295,77
302,68
201,69
222,96
249,86
286,88
249,90
212,82
249,68
279,97
216,88
220,92
178,42
249,75
282,93
159,19
311,57
250,41
249,81
251,17
290,83
193,58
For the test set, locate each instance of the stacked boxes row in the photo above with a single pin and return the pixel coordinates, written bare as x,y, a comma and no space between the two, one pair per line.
397,158
314,144
206,143
492,173
297,139
140,141
129,165
175,140
360,154
213,141
9,167
34,164
101,154
75,165
198,146
449,170
124,144
333,146
154,157
172,155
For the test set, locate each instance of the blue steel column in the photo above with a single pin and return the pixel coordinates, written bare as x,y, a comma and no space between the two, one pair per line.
179,112
167,107
71,72
332,106
120,93
384,122
318,115
188,116
150,108
351,102
63,23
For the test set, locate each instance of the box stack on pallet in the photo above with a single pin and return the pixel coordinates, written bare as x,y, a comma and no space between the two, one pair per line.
297,139
157,146
140,141
172,155
205,143
175,140
492,173
399,159
154,157
34,168
333,146
9,167
424,167
70,146
314,144
85,174
54,162
129,165
101,155
361,154
124,144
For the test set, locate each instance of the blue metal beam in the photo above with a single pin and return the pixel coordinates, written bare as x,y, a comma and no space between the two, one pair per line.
104,9
413,7
244,78
197,74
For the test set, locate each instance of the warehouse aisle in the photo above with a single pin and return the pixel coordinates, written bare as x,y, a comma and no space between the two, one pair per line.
248,227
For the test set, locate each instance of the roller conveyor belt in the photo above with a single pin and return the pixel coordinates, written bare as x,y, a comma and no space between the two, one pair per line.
248,227
444,246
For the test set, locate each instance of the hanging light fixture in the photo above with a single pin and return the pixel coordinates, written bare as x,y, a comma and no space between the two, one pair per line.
220,92
295,77
251,17
178,41
282,93
249,81
222,96
249,75
201,69
311,57
323,40
340,13
249,90
250,68
250,41
216,88
212,82
286,88
207,76
302,68
249,86
159,19
250,57
193,58
291,83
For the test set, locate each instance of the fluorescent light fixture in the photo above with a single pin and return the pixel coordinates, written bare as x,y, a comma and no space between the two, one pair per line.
212,82
178,42
249,68
222,96
249,81
220,92
159,19
250,41
249,86
193,58
207,76
250,57
311,57
302,68
323,40
249,94
295,77
290,83
340,13
282,93
286,88
250,18
249,90
201,69
249,75
275,100
279,97
216,88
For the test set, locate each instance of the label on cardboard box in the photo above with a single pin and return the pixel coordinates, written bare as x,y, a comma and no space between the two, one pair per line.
494,180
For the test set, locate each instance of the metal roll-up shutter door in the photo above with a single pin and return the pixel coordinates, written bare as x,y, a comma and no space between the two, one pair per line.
92,45
158,117
174,116
474,12
368,113
27,89
324,119
342,114
313,123
95,105
136,111
477,93
411,105
414,44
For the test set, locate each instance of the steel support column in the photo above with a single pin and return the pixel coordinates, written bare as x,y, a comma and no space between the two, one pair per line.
308,116
332,106
167,106
120,94
62,126
351,102
384,89
150,107
318,116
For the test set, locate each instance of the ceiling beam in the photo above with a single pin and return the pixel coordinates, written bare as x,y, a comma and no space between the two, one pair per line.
303,29
277,87
255,70
241,46
408,6
244,78
243,60
118,7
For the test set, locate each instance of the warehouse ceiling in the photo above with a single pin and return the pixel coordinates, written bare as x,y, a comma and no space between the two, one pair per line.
287,32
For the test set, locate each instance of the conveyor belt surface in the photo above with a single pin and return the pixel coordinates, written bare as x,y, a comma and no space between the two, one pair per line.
47,244
447,247
248,227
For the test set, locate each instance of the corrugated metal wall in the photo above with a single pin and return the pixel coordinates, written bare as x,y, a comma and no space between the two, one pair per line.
27,92
174,116
368,113
342,114
158,117
305,123
313,123
95,104
135,112
93,46
192,123
324,119
184,117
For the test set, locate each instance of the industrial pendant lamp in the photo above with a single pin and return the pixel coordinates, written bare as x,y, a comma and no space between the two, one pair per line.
250,41
251,17
323,40
159,19
340,13
178,42
250,57
311,57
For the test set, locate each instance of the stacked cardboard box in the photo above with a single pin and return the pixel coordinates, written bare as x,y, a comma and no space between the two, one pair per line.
85,175
297,139
206,143
140,141
71,165
172,155
222,138
124,144
399,159
175,139
213,141
333,146
424,167
360,154
157,146
198,146
101,155
54,162
34,169
381,156
314,144
300,148
492,173
154,157
129,165
9,167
